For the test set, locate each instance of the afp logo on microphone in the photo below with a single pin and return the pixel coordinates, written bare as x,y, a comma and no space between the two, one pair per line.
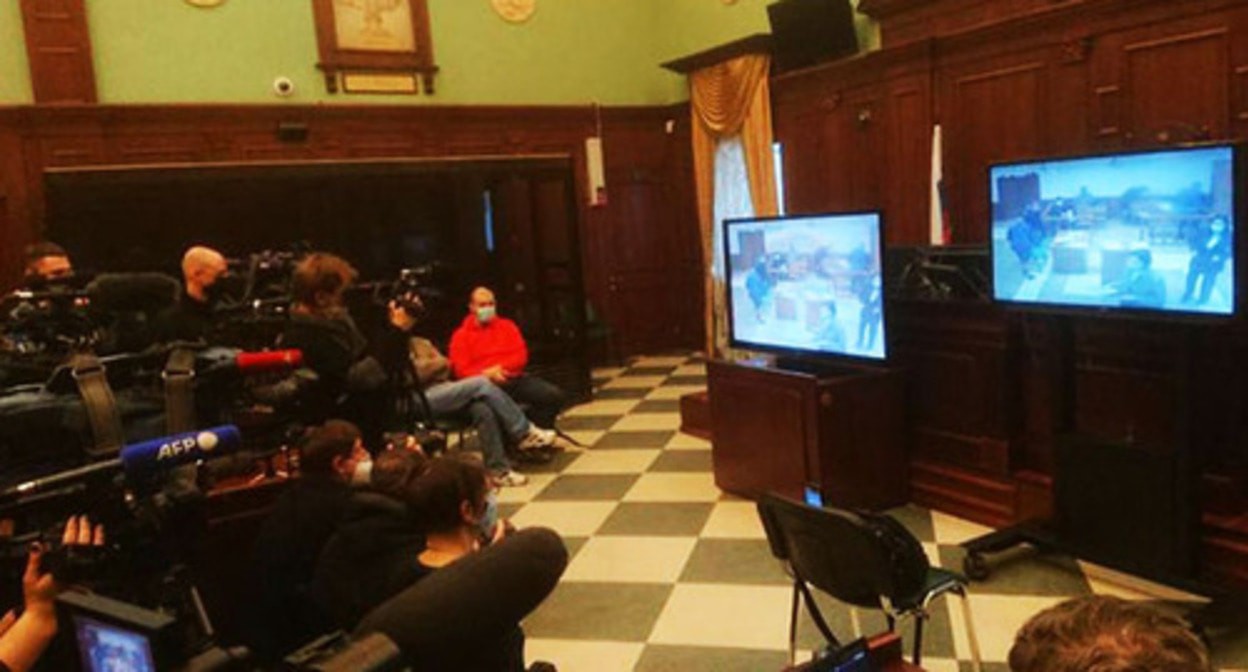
203,441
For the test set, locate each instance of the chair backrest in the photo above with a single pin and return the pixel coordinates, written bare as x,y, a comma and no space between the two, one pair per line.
856,557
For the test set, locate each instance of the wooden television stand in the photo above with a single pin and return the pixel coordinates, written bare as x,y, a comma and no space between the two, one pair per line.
839,428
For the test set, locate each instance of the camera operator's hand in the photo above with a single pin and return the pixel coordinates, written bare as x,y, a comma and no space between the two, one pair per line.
23,639
78,532
399,317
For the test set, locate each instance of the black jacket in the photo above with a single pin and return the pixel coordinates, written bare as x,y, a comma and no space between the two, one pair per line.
188,320
371,558
283,559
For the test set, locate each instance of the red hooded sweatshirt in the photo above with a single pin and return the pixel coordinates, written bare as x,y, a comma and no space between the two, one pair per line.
476,347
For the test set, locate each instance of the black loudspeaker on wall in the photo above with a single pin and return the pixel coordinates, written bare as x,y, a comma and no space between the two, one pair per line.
806,32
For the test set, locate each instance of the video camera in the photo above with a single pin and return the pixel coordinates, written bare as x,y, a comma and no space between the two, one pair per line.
414,290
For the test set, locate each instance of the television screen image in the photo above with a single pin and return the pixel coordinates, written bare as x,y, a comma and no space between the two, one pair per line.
809,284
1152,231
104,647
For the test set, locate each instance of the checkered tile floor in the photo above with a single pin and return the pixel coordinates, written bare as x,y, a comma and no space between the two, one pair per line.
670,573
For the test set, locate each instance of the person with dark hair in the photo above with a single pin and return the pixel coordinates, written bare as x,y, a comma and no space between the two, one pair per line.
760,283
1211,249
372,555
830,334
448,504
1029,240
1140,286
47,261
350,382
1106,634
486,344
331,457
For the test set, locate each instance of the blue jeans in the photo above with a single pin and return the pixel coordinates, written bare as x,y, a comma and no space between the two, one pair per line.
494,414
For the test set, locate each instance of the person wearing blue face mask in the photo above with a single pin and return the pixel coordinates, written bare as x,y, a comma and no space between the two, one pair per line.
486,344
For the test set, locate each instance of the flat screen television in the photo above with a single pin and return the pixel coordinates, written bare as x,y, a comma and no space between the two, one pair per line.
808,285
1150,232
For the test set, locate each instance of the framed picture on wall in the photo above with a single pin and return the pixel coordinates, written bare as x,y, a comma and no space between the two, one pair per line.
375,46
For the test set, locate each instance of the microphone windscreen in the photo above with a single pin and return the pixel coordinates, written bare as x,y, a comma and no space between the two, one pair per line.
170,451
133,292
265,362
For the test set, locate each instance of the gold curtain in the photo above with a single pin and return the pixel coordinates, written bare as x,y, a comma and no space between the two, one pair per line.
727,99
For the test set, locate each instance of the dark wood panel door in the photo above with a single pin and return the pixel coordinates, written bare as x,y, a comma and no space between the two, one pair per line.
908,132
59,47
647,241
992,112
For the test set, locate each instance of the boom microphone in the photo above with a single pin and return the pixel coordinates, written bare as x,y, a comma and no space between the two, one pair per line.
268,362
147,457
133,292
138,459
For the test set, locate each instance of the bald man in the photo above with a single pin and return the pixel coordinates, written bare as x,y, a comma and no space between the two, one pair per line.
492,346
192,318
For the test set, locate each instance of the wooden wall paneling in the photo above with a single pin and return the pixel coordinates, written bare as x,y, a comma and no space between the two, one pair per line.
903,21
58,45
13,234
181,135
689,330
991,111
802,150
1238,26
908,161
1175,80
961,366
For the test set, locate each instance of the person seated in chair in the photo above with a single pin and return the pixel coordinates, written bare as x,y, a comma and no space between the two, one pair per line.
487,344
331,459
451,506
371,556
351,382
488,405
1106,634
1140,286
192,318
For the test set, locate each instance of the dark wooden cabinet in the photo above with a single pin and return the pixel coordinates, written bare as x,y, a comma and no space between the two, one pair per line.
837,428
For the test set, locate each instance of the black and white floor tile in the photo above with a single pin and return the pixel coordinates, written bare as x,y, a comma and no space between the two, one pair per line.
669,573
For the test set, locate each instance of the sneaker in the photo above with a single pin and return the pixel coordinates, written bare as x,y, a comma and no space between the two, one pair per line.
536,438
511,479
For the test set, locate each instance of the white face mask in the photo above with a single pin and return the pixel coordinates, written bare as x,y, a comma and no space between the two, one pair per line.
363,474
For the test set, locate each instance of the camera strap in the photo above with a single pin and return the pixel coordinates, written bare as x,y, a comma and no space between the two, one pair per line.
97,396
179,381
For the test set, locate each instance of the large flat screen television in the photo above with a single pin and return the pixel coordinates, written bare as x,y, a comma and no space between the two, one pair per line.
808,285
1150,232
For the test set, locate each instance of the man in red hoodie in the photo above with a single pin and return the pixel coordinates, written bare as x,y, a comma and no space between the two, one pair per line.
492,346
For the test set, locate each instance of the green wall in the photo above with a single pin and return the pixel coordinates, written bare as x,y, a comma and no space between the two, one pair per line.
570,52
14,68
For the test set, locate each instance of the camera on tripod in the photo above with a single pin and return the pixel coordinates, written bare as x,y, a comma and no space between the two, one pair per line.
414,290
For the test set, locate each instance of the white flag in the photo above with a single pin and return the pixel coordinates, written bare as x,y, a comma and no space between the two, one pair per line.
936,231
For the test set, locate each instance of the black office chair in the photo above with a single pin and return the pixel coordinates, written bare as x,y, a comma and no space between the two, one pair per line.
863,559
